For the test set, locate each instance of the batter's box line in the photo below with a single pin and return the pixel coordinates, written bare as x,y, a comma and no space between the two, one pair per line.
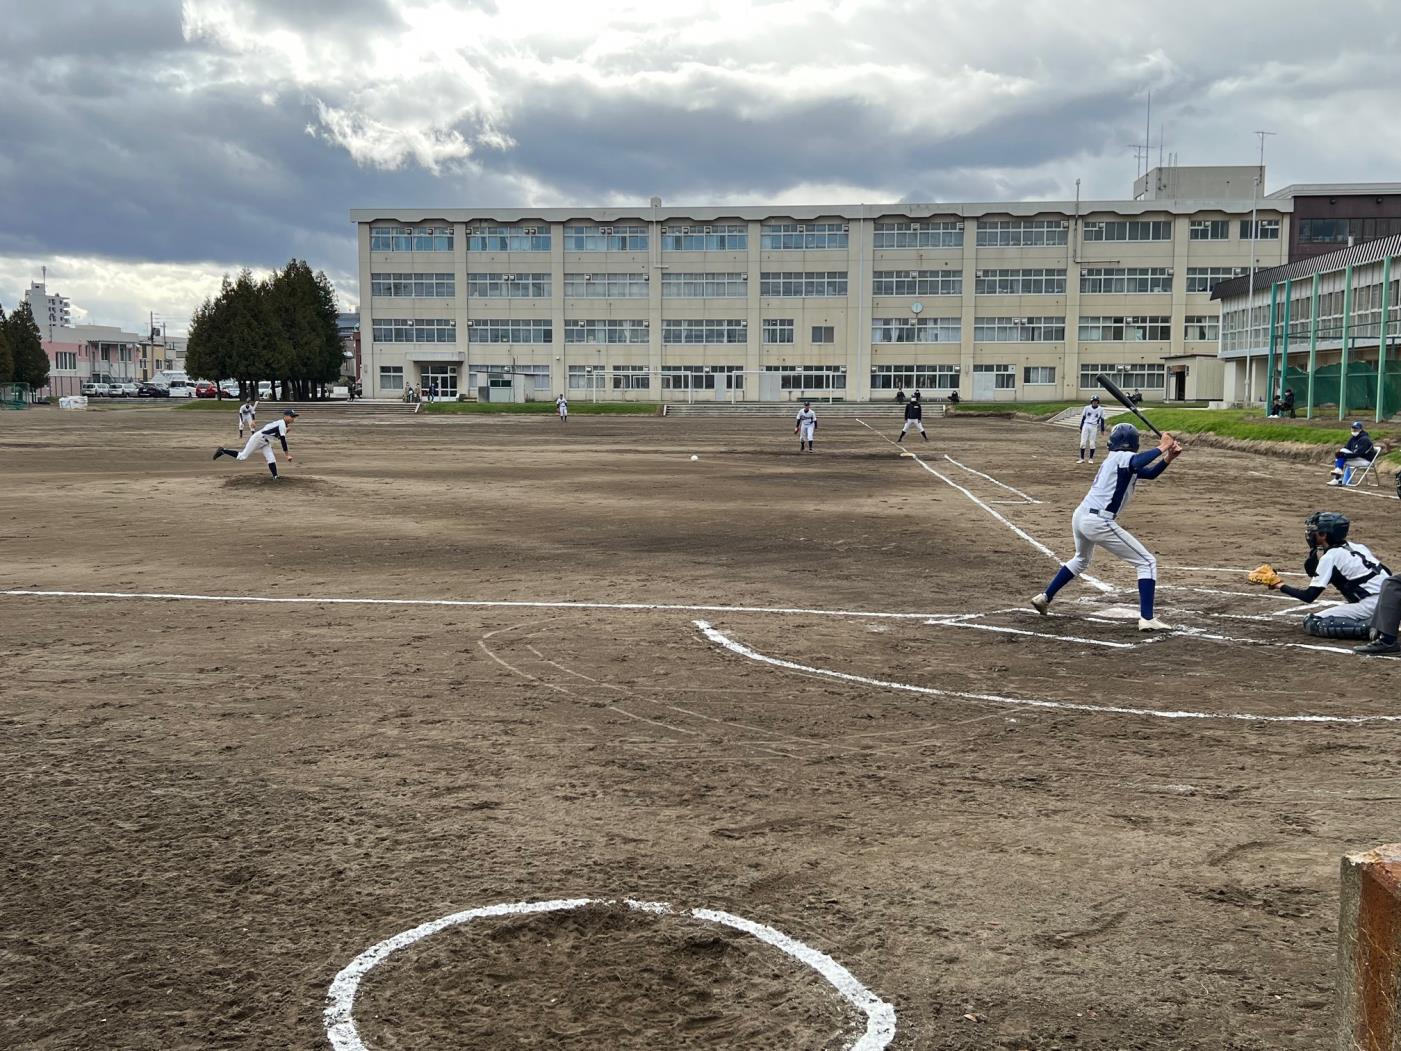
722,640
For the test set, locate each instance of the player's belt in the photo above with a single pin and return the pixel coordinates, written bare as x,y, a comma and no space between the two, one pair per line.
1102,514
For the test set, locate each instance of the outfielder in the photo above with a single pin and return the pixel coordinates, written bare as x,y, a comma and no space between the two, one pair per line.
914,419
1350,567
562,407
1095,520
262,439
1091,426
247,415
805,426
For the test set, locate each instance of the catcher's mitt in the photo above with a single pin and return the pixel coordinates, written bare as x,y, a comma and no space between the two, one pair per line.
1264,574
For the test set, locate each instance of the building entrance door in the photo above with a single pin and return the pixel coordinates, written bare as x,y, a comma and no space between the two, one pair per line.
444,377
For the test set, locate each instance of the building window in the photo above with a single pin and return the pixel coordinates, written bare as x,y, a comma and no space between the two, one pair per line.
720,237
508,286
1266,230
1125,279
793,236
413,286
606,330
415,330
705,330
1021,233
809,377
605,238
684,285
702,377
916,330
66,361
631,377
1019,329
411,238
605,286
1125,329
501,375
523,238
925,234
1205,278
1004,376
1126,376
1210,230
1038,374
391,377
1033,282
586,377
917,283
1202,328
794,285
1129,230
824,334
778,330
916,377
509,330
1345,231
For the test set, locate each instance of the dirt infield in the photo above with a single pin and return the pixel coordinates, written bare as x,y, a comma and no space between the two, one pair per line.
212,806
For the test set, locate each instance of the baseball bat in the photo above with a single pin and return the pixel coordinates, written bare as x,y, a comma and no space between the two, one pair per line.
1124,400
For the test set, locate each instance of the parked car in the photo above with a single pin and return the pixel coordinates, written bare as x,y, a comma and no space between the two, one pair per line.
181,389
230,388
151,390
91,390
129,390
205,389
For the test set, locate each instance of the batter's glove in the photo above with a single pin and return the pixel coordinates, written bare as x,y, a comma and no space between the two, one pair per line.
1264,574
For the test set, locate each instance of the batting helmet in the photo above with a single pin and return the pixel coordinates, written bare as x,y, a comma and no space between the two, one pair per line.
1123,438
1332,525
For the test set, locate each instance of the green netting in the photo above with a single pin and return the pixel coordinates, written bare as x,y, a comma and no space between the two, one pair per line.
1361,386
14,395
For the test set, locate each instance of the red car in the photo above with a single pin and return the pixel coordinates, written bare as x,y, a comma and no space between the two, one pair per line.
205,389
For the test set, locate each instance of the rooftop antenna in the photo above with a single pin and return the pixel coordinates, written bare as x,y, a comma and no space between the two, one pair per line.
1139,155
1148,133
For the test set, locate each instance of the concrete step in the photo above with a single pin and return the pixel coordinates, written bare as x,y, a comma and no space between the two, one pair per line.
339,408
833,410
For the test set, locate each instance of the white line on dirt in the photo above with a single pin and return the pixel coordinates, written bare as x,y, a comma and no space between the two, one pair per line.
1086,577
1226,569
340,997
1037,634
990,478
722,640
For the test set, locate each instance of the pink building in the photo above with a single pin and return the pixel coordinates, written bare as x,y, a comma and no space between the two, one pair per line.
91,353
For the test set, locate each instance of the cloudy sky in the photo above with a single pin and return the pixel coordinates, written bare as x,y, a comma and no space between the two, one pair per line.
151,145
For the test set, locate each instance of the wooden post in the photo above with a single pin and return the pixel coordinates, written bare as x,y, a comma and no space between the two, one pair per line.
1369,951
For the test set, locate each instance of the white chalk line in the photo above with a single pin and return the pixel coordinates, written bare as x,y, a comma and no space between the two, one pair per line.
1225,569
1037,634
990,478
1086,577
340,997
722,640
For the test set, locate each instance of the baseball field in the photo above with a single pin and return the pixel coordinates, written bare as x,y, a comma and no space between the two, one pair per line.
759,750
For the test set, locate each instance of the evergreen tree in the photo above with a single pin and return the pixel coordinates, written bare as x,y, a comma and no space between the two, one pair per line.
7,360
29,360
304,305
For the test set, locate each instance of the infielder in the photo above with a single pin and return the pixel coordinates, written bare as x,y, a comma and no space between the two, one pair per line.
805,426
914,419
247,415
1350,567
562,407
262,439
1095,520
1091,427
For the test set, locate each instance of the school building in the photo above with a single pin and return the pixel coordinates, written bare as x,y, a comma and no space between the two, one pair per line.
999,301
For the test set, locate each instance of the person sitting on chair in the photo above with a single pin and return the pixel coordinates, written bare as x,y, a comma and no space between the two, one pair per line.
899,395
953,397
1286,404
1357,454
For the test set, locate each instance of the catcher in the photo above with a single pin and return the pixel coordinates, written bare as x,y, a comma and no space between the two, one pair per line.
1349,567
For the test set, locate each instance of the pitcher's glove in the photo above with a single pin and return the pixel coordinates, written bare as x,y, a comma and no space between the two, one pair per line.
1264,574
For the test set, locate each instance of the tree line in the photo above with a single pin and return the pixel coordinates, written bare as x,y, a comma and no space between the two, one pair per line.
22,355
281,329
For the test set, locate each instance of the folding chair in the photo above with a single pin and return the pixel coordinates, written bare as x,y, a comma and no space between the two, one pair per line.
1358,469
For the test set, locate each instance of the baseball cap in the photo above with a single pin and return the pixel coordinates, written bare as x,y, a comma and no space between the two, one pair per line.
1356,425
290,412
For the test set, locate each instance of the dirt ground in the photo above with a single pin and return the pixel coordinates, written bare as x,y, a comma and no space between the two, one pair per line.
212,807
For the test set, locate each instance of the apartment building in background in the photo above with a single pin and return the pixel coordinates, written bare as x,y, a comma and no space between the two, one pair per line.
1023,300
51,311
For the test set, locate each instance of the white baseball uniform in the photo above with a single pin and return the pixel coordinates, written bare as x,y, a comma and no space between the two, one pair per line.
261,441
562,406
1095,520
246,415
1091,426
806,421
1355,571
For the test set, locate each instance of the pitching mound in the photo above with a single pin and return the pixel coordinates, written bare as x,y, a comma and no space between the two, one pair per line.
599,977
285,481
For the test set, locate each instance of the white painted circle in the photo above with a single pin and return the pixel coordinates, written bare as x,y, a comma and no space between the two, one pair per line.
694,456
340,997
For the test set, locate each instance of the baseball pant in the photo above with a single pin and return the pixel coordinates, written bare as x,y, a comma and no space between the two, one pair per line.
1387,617
1092,530
1089,434
911,425
255,443
1353,611
806,431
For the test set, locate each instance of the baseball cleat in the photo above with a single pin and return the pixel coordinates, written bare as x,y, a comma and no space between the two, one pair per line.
1335,481
1041,604
1080,461
218,453
1378,646
1156,624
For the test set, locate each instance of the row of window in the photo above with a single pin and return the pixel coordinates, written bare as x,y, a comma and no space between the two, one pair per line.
1346,231
1094,329
735,284
826,236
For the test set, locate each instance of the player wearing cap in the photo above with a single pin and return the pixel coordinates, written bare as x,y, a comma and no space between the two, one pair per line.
1094,522
262,439
805,426
914,419
1091,427
247,415
1357,453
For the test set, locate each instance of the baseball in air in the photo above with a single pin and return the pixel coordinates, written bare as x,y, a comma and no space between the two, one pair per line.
694,456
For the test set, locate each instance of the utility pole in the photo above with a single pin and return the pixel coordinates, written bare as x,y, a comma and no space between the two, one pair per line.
1254,239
